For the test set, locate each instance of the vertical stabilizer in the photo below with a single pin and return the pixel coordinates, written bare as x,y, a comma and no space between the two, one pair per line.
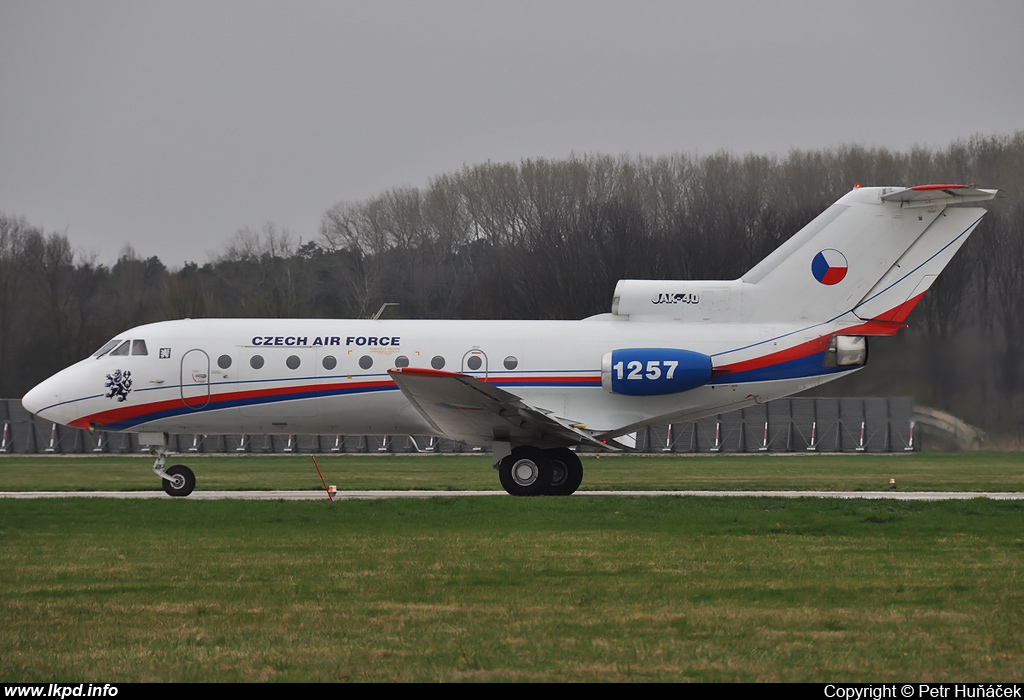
874,252
870,256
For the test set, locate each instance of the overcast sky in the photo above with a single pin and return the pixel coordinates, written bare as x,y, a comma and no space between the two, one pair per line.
170,125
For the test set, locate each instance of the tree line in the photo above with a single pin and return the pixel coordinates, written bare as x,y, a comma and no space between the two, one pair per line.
549,239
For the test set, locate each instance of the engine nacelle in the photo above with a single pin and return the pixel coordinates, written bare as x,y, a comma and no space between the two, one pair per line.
847,351
654,371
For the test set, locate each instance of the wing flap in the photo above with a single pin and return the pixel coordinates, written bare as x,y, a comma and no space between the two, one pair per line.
467,409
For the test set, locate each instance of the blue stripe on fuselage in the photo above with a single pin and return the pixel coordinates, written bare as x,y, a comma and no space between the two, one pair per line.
809,366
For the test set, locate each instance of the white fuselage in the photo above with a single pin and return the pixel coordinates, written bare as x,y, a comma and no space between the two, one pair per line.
331,376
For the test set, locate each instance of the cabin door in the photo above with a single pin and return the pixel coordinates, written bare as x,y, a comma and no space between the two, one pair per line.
475,362
195,379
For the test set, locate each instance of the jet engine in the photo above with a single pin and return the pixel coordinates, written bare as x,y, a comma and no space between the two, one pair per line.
654,371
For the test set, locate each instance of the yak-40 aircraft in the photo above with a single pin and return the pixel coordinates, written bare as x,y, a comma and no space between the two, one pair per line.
669,351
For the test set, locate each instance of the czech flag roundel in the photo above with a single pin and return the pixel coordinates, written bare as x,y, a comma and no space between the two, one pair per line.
829,266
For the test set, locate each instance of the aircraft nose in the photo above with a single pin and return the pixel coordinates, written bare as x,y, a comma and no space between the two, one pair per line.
41,397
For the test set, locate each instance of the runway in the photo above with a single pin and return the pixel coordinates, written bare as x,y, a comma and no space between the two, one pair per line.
380,495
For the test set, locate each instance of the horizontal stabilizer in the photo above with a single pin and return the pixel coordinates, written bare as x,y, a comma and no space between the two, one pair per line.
928,195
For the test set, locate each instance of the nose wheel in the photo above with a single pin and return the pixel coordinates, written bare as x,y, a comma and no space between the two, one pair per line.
178,480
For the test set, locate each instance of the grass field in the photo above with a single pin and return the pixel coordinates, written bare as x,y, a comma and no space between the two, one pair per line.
507,589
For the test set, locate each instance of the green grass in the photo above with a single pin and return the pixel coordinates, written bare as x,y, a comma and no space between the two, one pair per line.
506,589
610,589
970,471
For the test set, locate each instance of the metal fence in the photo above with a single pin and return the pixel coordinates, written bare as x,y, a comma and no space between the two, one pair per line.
785,425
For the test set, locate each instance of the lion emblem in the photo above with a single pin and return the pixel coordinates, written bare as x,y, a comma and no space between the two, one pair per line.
120,385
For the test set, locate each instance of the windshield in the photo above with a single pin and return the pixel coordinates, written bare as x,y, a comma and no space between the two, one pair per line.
117,346
106,348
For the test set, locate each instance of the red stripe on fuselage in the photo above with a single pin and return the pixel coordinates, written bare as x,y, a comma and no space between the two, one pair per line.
232,398
123,413
794,353
884,324
502,378
543,380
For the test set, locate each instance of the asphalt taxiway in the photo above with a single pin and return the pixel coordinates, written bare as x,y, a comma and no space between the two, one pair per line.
377,495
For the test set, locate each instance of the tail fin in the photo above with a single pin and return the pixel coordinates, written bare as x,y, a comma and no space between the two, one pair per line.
872,253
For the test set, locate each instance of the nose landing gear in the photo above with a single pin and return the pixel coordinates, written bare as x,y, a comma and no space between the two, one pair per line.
177,480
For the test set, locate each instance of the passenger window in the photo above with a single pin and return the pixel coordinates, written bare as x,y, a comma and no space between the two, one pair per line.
256,361
511,362
437,362
366,362
401,361
330,362
139,347
224,361
474,362
122,349
293,362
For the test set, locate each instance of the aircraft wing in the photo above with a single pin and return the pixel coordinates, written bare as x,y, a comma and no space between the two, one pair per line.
467,409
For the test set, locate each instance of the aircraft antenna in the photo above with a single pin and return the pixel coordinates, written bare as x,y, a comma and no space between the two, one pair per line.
383,306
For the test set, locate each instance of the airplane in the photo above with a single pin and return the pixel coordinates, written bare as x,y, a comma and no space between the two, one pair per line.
530,391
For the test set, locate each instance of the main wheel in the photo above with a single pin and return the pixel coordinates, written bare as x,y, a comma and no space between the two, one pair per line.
525,472
566,471
182,480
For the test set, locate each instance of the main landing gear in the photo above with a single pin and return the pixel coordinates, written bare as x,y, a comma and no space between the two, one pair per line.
530,471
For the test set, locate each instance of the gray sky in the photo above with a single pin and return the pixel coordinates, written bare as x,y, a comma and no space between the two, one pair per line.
170,125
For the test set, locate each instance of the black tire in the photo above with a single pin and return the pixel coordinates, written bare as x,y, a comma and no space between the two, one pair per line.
566,471
525,472
182,480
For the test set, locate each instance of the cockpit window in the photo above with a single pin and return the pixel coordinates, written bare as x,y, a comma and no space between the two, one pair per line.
106,348
122,349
